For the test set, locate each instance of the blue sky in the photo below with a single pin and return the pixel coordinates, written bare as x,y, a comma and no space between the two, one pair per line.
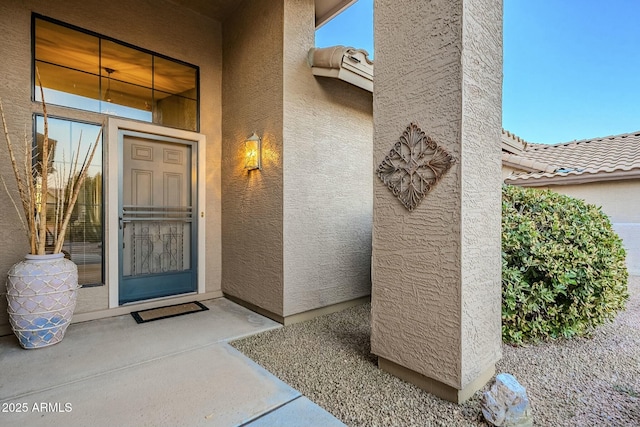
571,67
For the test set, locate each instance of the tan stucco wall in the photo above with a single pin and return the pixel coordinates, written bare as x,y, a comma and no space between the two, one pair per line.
328,133
436,270
629,232
508,170
481,187
618,199
159,26
305,219
252,258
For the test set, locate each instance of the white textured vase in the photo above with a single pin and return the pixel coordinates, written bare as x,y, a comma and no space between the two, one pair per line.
41,296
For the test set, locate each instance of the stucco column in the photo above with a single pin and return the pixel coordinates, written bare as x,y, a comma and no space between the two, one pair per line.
436,269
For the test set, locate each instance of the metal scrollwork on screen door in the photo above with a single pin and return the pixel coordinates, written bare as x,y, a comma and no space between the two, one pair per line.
157,248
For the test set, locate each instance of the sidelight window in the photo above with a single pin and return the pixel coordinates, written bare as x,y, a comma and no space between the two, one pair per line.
83,242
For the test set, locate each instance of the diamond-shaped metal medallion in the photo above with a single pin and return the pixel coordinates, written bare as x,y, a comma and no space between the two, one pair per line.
414,166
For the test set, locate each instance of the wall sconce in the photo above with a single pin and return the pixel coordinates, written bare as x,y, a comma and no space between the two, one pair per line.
253,152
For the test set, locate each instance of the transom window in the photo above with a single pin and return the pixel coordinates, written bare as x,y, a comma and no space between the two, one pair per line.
91,72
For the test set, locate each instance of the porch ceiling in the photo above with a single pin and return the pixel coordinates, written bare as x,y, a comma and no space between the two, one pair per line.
214,9
220,9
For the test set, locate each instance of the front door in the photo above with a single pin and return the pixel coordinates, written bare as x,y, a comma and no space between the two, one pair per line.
157,230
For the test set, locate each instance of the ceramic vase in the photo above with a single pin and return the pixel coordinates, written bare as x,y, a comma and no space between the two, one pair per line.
41,296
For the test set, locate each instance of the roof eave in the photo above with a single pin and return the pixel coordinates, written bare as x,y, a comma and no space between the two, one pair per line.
571,179
518,166
328,9
345,63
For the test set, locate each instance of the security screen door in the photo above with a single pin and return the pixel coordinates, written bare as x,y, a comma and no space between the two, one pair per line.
157,228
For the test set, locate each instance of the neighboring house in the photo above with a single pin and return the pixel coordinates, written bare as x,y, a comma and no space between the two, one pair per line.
602,171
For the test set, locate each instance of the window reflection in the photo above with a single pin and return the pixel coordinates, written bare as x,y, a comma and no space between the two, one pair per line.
89,72
83,242
175,94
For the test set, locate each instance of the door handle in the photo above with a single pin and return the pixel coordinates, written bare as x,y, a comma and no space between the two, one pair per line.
120,222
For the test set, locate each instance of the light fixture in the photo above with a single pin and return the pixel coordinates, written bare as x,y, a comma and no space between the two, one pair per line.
107,94
253,152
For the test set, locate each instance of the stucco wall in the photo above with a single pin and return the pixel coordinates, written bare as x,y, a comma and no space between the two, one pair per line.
328,133
630,234
159,26
252,237
615,197
296,235
481,187
508,170
436,270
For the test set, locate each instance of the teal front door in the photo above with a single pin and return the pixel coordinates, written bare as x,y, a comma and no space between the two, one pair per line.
157,228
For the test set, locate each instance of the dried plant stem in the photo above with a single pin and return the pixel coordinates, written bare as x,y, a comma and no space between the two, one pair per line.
23,190
44,177
6,189
33,182
61,193
76,185
30,211
14,164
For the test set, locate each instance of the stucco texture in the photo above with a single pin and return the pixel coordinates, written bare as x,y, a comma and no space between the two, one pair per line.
158,26
296,235
328,133
612,196
252,238
436,270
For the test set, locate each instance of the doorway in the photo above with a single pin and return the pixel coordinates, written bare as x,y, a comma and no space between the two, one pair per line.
158,215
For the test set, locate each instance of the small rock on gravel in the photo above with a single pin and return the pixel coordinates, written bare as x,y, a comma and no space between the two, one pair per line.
506,404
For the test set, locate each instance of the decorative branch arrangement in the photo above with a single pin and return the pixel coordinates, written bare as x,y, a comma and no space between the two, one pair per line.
34,184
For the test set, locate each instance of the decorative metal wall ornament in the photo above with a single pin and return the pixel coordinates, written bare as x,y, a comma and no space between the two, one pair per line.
414,166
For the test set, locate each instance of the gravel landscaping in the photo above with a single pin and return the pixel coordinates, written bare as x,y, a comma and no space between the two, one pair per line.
591,381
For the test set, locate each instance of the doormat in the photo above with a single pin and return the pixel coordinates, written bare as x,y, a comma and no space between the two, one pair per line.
168,311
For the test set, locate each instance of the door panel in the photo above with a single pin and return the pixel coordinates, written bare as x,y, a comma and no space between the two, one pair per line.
157,229
141,187
173,188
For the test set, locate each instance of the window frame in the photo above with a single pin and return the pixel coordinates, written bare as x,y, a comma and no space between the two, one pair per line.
103,152
36,16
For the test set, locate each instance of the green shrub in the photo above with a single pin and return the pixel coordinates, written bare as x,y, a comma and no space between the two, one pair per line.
563,266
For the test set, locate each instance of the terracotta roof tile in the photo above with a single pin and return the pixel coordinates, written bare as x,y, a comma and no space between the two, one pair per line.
606,157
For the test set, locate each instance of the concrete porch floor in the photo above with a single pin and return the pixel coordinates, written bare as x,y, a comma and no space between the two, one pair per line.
172,372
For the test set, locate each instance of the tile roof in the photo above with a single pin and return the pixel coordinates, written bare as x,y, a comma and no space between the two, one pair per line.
598,159
512,142
345,63
512,149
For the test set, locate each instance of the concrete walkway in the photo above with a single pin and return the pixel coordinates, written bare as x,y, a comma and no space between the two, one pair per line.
170,372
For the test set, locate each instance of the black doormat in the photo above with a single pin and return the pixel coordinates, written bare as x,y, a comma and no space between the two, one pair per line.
168,311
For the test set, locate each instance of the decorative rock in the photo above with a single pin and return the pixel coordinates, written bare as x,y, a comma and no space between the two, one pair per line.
507,404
